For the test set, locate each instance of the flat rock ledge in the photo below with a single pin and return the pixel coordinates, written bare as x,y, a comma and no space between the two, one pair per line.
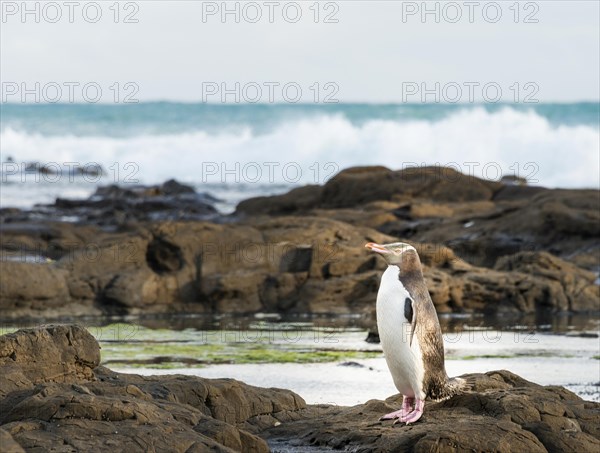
54,396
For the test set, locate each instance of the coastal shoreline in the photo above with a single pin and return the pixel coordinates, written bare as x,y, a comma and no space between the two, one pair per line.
487,247
89,406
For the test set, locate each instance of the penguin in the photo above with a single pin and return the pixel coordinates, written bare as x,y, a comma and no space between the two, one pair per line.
410,333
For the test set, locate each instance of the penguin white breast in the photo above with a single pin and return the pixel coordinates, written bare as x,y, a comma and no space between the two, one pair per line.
404,361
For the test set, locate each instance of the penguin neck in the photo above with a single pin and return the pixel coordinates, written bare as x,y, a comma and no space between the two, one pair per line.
409,265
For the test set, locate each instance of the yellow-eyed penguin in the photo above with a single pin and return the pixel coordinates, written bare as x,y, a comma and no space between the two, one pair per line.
410,333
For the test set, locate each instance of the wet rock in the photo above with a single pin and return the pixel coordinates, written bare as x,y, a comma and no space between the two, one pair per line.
545,283
502,413
372,337
53,393
352,364
53,240
172,187
480,220
115,205
290,264
36,167
91,169
486,246
168,188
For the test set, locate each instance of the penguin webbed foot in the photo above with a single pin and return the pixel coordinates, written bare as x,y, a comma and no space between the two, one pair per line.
393,415
399,415
405,415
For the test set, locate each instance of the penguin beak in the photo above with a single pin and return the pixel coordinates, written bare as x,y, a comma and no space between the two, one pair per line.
376,248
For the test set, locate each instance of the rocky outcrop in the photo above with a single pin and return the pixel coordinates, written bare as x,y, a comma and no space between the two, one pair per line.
297,264
54,395
120,205
480,220
359,185
488,246
502,413
555,278
296,200
525,282
284,264
54,354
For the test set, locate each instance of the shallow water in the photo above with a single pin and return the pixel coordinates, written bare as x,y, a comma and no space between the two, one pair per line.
327,360
354,382
350,383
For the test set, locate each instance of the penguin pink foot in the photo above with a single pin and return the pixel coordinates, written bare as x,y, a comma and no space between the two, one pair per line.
393,415
414,415
407,403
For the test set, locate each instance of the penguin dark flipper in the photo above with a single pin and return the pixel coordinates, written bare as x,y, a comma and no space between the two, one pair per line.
411,315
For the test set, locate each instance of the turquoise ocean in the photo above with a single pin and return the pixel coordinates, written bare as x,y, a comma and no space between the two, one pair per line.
237,151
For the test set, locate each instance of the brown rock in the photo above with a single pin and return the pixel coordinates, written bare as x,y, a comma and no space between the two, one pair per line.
359,185
31,283
66,354
300,264
53,393
134,289
480,220
315,262
296,200
577,285
9,445
91,408
503,413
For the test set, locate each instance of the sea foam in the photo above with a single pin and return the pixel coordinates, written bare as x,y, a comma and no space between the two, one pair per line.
310,149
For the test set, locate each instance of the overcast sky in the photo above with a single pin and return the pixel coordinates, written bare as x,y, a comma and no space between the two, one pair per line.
367,49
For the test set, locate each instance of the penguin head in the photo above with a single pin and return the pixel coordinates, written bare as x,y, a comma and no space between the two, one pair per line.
397,253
